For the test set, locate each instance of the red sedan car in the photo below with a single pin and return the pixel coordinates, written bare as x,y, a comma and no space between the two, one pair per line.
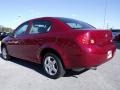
59,44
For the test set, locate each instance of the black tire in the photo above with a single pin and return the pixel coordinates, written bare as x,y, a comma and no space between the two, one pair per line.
7,57
58,66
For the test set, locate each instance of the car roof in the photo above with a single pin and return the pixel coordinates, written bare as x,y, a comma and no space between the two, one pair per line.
58,24
50,18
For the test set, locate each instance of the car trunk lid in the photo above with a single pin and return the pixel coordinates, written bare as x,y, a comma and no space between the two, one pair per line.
97,37
101,37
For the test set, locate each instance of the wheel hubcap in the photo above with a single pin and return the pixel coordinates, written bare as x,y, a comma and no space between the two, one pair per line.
4,53
50,65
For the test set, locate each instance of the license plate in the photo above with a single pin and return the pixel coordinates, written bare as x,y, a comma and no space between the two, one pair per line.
109,54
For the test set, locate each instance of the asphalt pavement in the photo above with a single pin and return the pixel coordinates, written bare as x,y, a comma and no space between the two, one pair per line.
21,75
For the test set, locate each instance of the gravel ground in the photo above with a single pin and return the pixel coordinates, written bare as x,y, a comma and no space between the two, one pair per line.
20,75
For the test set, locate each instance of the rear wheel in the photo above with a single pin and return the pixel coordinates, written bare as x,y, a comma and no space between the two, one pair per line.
52,66
4,53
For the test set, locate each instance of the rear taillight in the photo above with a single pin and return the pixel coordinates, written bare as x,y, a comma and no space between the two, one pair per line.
111,40
85,39
92,41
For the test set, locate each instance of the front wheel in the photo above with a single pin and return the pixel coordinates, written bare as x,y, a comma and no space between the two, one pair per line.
4,53
52,66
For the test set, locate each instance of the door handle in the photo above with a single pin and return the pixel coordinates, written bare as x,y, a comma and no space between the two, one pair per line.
13,42
16,42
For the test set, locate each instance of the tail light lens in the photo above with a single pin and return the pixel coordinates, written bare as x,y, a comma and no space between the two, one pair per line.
111,40
92,41
85,39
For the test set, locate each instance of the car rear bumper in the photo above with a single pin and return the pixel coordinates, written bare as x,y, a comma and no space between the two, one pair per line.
91,57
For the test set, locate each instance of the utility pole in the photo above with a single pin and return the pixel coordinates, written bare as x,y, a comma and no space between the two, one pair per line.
105,14
0,28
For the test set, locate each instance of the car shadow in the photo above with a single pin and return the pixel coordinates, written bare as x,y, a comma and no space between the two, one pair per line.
38,68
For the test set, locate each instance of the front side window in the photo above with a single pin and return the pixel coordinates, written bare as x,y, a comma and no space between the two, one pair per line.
21,30
75,24
40,26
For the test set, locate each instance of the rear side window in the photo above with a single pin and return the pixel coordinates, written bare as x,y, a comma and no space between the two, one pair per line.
21,30
40,26
75,24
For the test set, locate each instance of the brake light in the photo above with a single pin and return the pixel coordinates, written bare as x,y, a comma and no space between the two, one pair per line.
111,40
92,41
85,39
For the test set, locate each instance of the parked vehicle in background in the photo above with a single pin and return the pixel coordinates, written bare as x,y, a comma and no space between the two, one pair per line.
59,44
116,35
3,35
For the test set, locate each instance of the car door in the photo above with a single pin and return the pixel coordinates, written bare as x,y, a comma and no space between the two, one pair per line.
15,43
35,39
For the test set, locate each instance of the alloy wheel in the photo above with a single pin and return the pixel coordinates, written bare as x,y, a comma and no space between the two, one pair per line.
50,65
4,53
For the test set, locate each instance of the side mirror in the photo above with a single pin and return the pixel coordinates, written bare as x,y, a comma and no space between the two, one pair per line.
11,34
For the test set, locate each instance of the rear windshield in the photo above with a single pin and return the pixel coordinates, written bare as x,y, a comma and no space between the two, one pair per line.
75,24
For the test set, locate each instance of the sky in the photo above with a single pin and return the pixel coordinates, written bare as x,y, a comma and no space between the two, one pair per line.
14,12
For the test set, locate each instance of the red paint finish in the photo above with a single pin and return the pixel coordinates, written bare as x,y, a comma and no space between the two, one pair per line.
77,48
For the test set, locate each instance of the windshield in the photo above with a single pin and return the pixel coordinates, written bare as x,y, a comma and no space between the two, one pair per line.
75,24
